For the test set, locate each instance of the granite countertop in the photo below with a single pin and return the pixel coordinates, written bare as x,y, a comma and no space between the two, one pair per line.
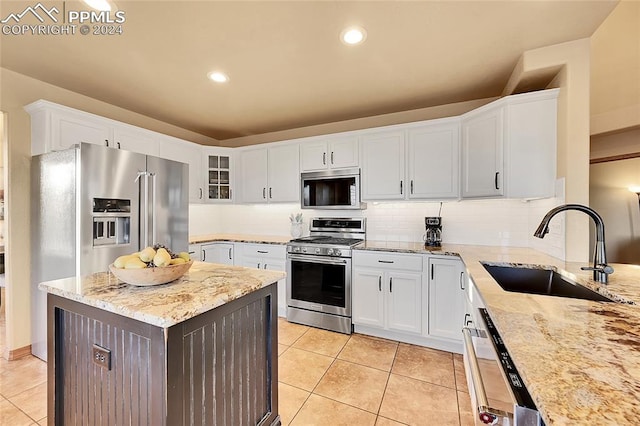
239,238
206,286
579,359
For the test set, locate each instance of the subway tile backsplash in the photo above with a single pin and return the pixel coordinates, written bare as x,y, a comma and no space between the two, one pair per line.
478,222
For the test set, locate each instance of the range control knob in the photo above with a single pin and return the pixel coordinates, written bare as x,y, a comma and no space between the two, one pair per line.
304,249
318,250
336,252
330,252
296,249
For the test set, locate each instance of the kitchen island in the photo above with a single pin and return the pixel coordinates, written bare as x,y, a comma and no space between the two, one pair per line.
199,350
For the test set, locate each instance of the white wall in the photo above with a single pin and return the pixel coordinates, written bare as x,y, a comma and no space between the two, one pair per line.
479,222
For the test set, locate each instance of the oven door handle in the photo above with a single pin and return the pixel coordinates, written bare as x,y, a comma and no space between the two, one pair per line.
486,414
318,259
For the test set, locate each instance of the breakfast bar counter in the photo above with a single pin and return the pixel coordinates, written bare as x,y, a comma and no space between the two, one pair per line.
198,350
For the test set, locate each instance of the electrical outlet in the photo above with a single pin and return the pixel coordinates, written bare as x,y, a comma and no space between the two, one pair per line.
101,356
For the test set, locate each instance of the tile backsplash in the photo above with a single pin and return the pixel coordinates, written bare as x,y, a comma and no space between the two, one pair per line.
478,222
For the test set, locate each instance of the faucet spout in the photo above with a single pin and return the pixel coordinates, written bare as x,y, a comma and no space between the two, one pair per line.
600,268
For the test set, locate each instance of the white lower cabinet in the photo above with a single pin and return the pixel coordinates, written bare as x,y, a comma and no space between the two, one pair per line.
447,284
412,298
195,251
387,291
218,253
272,257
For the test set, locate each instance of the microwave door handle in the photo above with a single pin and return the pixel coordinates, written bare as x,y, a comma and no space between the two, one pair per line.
486,414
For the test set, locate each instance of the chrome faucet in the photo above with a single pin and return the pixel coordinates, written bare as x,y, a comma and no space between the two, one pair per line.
600,268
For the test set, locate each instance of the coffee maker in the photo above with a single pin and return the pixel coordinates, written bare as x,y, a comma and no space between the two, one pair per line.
433,235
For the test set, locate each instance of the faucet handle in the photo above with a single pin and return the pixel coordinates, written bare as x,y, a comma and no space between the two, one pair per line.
604,268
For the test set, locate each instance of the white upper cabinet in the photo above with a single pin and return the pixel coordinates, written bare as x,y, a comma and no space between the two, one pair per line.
137,140
55,127
383,166
217,168
269,175
284,173
329,153
433,161
191,154
509,147
482,148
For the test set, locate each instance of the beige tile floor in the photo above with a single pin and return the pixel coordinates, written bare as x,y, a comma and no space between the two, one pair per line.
325,378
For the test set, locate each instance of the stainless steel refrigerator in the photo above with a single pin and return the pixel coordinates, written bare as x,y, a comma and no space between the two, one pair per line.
91,204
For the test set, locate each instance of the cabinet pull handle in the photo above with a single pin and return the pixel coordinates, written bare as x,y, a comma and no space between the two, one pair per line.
230,253
118,143
412,186
270,196
258,265
200,193
390,285
262,251
461,280
106,142
265,266
264,193
204,255
467,321
331,157
431,271
400,187
324,158
496,180
380,283
230,194
385,261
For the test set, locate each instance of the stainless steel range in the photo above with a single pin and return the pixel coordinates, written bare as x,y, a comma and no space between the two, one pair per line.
319,273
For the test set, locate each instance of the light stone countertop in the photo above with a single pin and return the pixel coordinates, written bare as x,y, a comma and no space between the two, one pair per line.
580,360
204,287
239,238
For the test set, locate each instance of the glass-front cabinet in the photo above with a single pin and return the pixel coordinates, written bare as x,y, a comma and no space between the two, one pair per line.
218,175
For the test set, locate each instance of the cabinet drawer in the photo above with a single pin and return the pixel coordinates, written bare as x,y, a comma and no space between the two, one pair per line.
274,251
388,260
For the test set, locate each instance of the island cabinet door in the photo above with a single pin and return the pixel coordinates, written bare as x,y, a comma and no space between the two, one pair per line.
103,369
223,366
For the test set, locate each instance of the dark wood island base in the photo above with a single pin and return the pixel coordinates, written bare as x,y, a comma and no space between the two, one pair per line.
217,368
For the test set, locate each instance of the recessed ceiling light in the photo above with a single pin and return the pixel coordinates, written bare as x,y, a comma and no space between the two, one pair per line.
353,35
101,5
218,77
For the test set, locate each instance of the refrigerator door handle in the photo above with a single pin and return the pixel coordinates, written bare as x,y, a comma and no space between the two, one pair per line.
154,236
144,209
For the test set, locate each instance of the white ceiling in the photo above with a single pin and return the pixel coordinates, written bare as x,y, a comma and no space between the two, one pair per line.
286,64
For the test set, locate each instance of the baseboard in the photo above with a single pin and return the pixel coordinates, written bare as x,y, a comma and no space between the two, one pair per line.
19,353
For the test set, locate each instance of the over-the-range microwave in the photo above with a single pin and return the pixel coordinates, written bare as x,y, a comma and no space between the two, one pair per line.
331,190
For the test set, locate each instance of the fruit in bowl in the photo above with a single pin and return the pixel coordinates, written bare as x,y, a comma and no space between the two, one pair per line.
151,266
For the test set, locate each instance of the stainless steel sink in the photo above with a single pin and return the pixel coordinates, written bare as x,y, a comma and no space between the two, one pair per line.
534,280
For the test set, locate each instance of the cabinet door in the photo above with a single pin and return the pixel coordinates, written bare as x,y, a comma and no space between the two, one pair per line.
136,140
343,152
482,154
404,299
218,253
195,251
313,156
253,176
446,297
433,162
217,170
69,130
382,156
191,154
367,297
284,174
